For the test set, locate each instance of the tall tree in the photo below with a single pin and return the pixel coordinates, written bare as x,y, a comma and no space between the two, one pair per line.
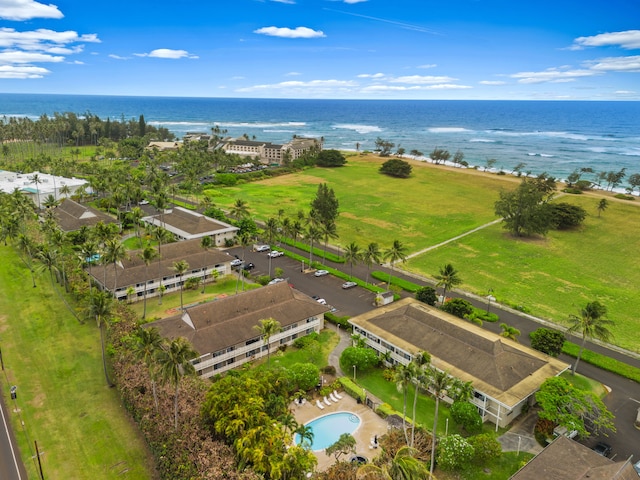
101,307
240,209
447,279
370,256
439,383
602,205
403,466
402,377
148,255
206,243
419,364
328,230
267,328
147,347
397,252
325,204
352,255
590,323
523,210
181,268
114,252
174,362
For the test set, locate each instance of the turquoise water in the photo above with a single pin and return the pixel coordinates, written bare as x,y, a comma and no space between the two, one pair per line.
328,428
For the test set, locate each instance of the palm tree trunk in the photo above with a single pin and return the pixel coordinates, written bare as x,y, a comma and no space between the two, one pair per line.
433,436
575,366
175,405
415,401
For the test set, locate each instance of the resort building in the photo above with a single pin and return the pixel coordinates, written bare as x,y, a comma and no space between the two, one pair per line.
38,186
270,153
188,225
131,276
566,459
71,216
505,375
223,331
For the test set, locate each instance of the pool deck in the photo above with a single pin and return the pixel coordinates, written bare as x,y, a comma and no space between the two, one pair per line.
371,425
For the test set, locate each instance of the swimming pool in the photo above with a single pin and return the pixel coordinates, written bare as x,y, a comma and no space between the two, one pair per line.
328,428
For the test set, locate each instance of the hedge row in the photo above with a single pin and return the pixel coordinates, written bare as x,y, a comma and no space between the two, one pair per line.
603,362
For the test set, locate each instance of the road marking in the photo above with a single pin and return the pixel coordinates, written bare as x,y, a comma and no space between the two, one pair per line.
634,400
13,452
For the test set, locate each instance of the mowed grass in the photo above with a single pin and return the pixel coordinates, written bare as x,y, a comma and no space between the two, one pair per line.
79,423
551,277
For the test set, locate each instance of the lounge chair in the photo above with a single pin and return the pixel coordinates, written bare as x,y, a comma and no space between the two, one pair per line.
333,398
326,402
319,405
335,394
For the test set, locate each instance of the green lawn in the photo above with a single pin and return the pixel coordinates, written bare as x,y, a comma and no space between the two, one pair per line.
81,427
316,353
549,277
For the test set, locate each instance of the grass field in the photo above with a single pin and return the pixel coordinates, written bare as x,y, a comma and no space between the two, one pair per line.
81,427
550,277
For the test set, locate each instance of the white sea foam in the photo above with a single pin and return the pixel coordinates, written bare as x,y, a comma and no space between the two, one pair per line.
481,140
546,155
364,129
448,130
262,125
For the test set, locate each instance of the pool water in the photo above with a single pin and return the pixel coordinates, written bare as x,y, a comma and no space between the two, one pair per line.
328,428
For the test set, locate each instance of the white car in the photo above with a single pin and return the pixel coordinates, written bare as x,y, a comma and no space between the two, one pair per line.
321,301
347,285
236,262
276,280
321,273
263,248
275,254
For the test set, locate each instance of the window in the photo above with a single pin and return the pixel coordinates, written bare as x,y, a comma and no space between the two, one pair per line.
479,396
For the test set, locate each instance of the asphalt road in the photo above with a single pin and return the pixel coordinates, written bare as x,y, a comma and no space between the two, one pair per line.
623,401
11,467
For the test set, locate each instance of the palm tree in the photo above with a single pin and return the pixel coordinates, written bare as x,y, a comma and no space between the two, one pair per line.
590,324
206,243
240,209
271,229
114,252
397,252
100,307
306,435
89,250
448,278
419,364
148,345
174,362
403,466
328,230
135,215
402,377
439,383
602,205
267,328
181,268
512,333
352,255
370,256
147,255
313,235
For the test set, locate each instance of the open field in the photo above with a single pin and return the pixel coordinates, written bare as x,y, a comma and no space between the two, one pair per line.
80,425
550,277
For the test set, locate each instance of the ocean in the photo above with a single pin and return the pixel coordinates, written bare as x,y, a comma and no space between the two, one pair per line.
556,137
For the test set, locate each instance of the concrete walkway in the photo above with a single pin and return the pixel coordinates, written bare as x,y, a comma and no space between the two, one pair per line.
520,437
334,356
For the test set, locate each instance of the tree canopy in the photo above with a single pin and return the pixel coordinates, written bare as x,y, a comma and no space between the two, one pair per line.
330,158
396,168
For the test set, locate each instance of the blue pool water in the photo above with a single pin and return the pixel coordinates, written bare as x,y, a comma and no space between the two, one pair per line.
328,428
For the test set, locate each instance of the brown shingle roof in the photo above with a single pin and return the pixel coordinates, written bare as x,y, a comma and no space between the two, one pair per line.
192,223
501,368
72,216
565,459
231,320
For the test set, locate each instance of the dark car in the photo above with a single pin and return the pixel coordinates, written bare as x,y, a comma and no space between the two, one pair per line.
249,266
603,449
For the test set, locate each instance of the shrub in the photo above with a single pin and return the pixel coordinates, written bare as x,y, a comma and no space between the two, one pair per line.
263,279
342,321
396,168
458,307
483,315
303,376
466,415
486,448
454,452
427,295
384,410
547,341
622,196
302,342
565,215
573,191
329,370
388,374
192,283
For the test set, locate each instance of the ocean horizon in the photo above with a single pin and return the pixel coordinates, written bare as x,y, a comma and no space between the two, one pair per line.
556,137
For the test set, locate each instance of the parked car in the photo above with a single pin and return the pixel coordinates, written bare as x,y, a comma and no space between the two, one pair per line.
321,273
236,262
346,285
263,248
276,280
275,254
249,266
321,301
603,449
637,467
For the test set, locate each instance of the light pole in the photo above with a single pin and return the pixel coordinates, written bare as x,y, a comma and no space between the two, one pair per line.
490,298
354,373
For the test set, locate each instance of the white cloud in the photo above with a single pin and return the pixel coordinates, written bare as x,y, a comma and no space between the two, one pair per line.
629,39
354,1
422,79
292,74
22,72
371,75
397,88
313,84
625,92
20,10
167,53
616,64
118,57
284,32
552,75
41,39
492,82
15,56
428,65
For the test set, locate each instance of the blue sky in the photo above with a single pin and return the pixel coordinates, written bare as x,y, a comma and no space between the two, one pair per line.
374,49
